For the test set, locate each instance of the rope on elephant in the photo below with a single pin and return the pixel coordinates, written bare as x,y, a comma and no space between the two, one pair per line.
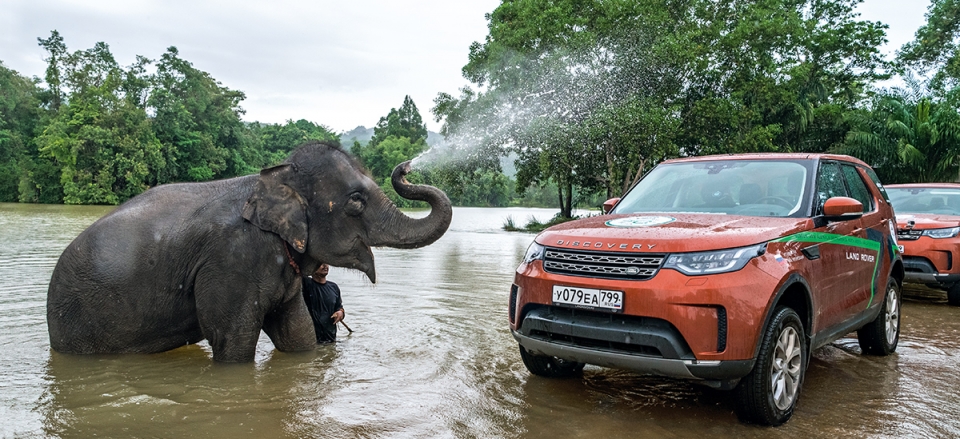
296,268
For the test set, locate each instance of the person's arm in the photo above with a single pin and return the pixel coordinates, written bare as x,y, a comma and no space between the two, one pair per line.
339,314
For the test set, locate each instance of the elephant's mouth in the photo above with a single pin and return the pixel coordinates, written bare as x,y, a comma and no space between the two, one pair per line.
360,257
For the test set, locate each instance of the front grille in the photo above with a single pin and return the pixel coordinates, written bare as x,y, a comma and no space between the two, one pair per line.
636,266
909,234
602,331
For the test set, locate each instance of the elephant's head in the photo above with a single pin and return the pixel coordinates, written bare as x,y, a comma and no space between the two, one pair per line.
324,205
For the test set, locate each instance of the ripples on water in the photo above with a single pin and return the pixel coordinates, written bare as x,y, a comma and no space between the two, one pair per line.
431,356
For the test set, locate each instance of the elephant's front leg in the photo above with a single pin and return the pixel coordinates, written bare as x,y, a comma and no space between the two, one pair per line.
233,341
230,318
290,327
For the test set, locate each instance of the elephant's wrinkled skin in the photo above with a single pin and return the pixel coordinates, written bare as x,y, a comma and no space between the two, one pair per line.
191,261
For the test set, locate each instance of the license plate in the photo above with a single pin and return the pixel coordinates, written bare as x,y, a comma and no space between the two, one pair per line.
588,298
900,248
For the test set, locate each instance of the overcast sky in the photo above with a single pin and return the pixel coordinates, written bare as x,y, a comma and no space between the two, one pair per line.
336,63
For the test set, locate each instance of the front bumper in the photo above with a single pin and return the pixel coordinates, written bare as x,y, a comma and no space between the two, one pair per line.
931,261
644,345
715,317
921,270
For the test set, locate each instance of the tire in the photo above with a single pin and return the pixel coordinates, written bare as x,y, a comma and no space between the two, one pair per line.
550,367
953,294
769,393
880,337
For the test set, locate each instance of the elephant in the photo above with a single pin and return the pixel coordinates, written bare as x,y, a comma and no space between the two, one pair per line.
221,260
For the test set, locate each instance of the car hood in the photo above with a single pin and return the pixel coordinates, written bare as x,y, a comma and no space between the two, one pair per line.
924,221
669,233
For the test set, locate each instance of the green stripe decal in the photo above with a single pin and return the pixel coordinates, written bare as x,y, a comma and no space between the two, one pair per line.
833,238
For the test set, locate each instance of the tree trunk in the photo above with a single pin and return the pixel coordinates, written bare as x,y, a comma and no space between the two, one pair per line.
611,179
560,194
629,182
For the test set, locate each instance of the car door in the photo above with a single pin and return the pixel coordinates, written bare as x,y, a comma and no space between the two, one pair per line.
869,248
838,274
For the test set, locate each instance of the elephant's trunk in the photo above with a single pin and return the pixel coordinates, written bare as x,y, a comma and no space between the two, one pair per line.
401,231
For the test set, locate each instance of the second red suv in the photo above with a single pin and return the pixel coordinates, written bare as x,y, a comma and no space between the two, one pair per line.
727,270
928,227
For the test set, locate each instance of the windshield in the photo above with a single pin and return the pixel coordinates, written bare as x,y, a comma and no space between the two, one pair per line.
735,187
943,201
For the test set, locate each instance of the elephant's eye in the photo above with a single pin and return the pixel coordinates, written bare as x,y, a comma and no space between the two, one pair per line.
355,204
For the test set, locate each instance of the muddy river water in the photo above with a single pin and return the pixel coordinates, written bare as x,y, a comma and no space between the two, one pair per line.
430,356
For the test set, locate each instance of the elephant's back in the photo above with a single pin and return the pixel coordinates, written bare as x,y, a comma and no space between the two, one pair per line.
157,224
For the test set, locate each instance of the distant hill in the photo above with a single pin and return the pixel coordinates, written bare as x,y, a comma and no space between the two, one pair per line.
363,135
360,134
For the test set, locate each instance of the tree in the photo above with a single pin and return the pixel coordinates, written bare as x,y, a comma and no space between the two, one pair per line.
907,137
399,136
101,141
769,66
936,47
197,121
19,117
274,142
405,122
550,70
630,138
680,77
100,133
57,52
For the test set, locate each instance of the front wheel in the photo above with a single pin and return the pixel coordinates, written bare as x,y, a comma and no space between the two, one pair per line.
769,393
953,294
880,337
550,367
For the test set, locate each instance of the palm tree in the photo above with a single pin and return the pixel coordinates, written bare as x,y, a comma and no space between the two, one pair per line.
907,136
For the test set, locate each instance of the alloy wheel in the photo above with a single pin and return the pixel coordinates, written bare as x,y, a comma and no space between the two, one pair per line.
892,323
786,371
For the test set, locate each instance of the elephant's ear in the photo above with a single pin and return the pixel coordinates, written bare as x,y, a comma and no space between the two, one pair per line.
276,207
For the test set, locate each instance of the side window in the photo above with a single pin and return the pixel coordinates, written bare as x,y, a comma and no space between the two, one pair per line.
876,181
858,190
829,184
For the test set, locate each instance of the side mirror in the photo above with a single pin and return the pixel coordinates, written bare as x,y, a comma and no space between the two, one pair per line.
842,209
608,205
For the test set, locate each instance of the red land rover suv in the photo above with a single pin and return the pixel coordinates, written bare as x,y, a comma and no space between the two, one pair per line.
727,269
928,225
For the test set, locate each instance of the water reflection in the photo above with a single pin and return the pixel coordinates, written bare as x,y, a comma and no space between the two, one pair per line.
431,356
180,393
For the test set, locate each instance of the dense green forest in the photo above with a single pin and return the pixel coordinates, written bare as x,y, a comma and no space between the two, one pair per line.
591,94
94,132
582,97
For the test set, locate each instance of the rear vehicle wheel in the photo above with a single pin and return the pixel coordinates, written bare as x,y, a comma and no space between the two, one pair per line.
550,367
769,393
880,337
953,294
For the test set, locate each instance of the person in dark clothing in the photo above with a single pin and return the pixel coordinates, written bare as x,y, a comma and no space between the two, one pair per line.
323,302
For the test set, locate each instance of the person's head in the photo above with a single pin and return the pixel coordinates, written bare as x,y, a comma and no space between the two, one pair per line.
322,271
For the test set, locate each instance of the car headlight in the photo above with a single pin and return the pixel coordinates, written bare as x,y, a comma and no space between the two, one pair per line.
942,233
712,262
534,252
